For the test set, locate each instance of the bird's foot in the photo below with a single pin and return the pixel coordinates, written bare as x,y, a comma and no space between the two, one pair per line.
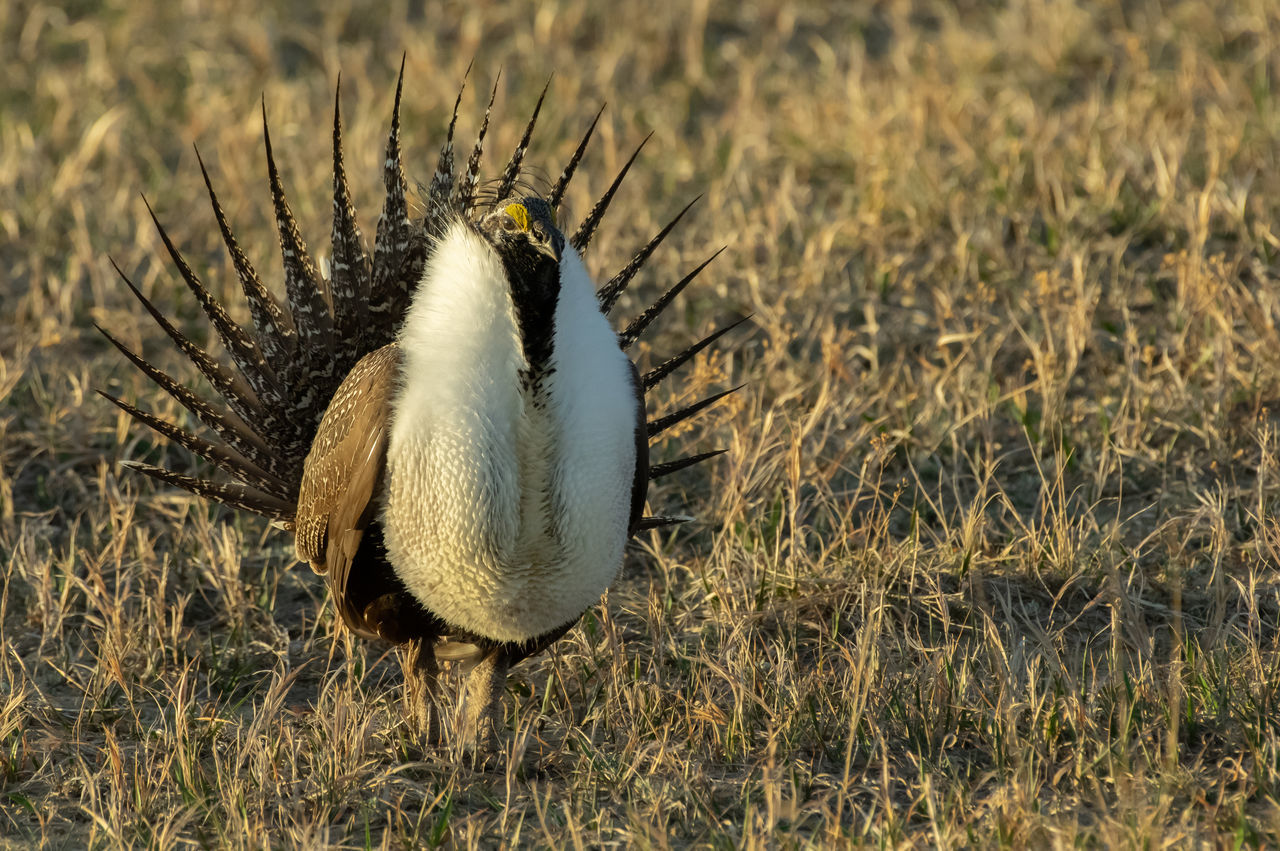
422,693
482,706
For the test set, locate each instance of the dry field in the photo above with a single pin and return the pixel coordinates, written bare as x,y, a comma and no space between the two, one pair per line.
991,560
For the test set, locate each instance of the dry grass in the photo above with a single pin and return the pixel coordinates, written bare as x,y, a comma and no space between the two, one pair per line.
992,559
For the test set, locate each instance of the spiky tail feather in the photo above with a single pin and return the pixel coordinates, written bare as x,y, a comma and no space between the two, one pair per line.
287,365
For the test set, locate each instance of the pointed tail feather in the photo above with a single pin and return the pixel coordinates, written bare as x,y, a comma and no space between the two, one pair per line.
276,337
465,191
658,426
255,394
512,171
241,347
582,236
233,389
222,456
349,284
233,494
391,285
661,520
637,325
442,181
231,429
303,285
557,192
657,471
608,294
662,370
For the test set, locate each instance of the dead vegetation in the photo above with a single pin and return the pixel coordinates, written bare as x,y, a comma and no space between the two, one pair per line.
991,559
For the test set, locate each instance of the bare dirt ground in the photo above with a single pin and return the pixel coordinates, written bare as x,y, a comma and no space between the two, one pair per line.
991,559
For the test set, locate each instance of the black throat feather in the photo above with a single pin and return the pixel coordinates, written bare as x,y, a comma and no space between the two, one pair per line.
534,279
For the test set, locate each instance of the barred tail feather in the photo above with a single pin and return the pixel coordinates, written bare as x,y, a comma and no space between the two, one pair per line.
221,456
244,351
658,426
305,291
276,337
653,311
465,192
234,494
231,388
512,171
231,429
609,293
557,191
442,182
662,370
263,395
582,236
660,520
349,281
657,471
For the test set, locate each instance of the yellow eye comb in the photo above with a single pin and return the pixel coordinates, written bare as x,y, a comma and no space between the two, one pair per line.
519,213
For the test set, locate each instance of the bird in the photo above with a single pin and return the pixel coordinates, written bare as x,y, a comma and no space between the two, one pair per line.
448,424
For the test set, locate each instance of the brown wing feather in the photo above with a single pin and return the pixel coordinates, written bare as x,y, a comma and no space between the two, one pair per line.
342,474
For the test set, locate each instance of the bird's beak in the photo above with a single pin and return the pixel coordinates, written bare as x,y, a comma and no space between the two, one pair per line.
552,249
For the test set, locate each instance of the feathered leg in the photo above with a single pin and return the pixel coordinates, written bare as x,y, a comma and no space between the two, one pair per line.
482,710
422,687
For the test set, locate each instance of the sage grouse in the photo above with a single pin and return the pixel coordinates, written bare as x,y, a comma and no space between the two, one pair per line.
448,425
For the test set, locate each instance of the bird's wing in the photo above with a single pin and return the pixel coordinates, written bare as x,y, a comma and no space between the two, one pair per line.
342,474
640,484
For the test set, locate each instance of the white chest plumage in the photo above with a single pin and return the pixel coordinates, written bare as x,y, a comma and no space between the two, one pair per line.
505,514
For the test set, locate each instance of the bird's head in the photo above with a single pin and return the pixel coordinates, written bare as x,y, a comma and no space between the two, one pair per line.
523,231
